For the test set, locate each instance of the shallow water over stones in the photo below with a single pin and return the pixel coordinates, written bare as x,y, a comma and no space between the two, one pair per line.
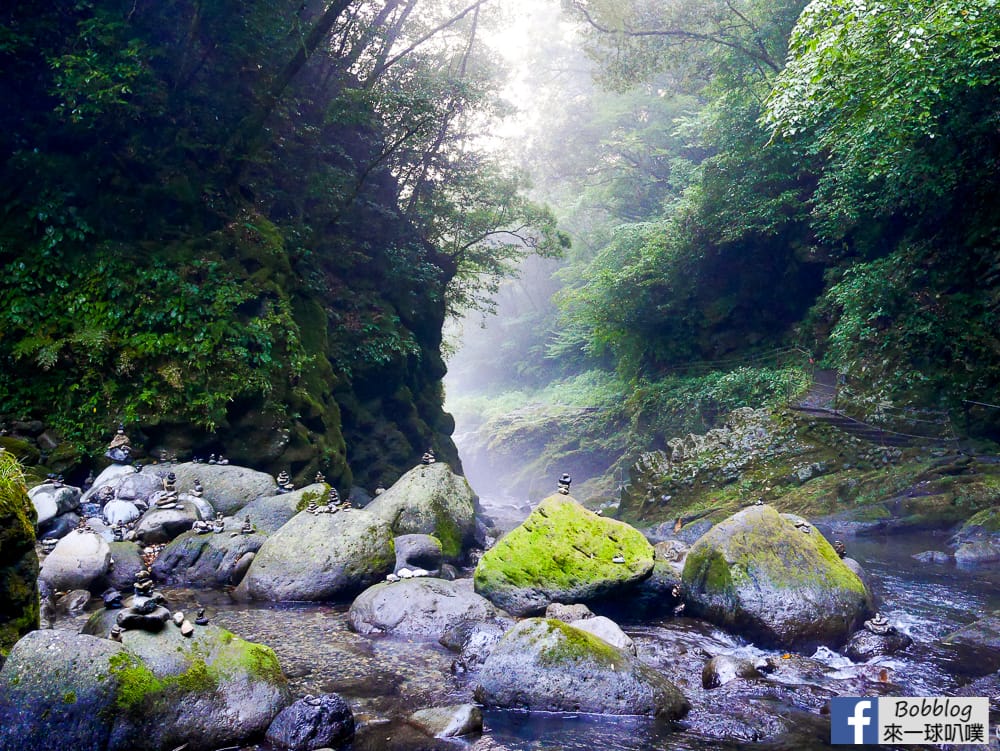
384,679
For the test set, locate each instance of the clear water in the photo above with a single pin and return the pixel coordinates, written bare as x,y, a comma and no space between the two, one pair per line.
386,678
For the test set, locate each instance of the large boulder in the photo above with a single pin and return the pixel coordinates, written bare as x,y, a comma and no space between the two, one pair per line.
547,665
562,553
152,692
322,557
430,499
422,606
205,560
775,580
51,500
978,541
126,562
120,511
418,552
270,512
110,476
18,560
226,486
78,559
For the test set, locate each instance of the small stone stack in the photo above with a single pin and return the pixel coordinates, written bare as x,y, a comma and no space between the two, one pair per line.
120,449
564,483
285,484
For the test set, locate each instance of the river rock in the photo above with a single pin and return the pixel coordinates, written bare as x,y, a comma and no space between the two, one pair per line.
475,641
982,634
18,559
932,556
321,557
51,500
160,525
546,665
76,562
58,691
208,560
779,584
58,527
270,512
313,722
562,553
127,562
606,629
424,607
721,669
864,645
111,476
568,613
121,511
227,487
449,722
139,487
73,602
418,552
430,499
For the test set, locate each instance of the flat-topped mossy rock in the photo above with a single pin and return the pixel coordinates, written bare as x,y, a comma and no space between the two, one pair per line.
775,579
430,499
543,664
562,553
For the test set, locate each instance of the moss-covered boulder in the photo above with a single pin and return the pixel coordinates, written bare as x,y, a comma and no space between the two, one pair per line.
18,560
228,487
431,500
322,557
153,692
774,579
978,541
562,553
546,665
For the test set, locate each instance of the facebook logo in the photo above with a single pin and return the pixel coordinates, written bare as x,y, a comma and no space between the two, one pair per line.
853,720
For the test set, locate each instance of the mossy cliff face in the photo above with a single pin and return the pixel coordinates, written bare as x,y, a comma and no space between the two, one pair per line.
18,560
774,579
562,553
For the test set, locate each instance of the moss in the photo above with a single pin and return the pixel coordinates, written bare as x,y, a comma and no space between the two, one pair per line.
18,561
988,520
136,682
312,495
448,533
561,544
69,697
568,644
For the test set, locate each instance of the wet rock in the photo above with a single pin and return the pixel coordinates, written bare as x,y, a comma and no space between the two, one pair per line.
979,642
424,606
271,512
547,665
475,641
978,541
133,618
864,645
313,722
160,525
58,527
418,551
206,560
561,553
73,602
76,562
608,630
320,557
432,500
722,669
127,557
774,582
568,613
449,722
933,556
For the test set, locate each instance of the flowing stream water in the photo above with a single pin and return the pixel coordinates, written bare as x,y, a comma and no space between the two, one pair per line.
386,678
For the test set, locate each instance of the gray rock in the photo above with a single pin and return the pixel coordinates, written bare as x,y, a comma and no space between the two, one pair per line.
271,512
316,558
208,560
132,618
58,692
546,665
127,557
418,551
449,722
608,630
51,500
760,575
475,641
721,669
430,499
227,487
864,645
139,486
568,613
76,562
933,556
121,511
111,475
73,602
312,723
58,527
974,552
241,567
163,525
424,606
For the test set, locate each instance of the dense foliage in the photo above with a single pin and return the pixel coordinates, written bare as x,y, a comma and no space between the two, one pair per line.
235,225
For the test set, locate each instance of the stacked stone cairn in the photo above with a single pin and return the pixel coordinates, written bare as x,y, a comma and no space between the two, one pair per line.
285,484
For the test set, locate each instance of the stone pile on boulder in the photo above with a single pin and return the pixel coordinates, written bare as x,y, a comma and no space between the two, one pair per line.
562,553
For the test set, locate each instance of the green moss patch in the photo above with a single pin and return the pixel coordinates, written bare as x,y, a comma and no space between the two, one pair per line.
571,645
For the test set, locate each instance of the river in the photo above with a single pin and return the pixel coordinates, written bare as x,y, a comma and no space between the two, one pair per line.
386,678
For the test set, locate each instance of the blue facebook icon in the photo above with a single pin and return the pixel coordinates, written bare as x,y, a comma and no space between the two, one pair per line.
853,720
